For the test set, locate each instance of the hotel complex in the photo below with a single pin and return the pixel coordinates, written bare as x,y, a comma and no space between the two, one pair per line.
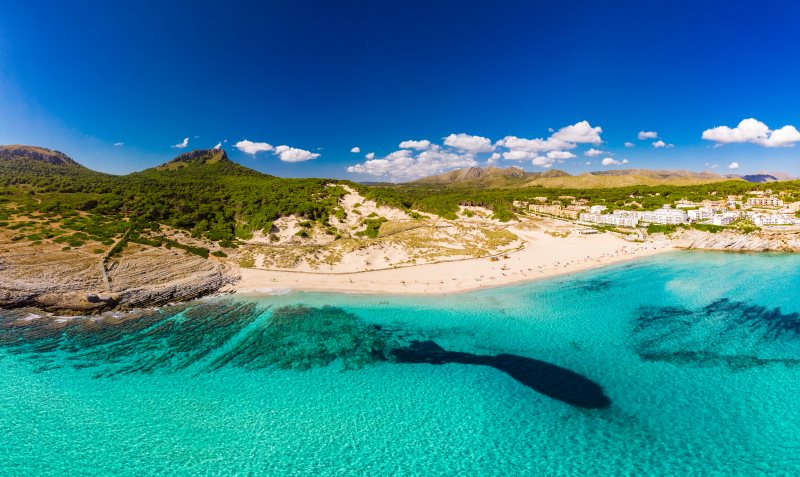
763,209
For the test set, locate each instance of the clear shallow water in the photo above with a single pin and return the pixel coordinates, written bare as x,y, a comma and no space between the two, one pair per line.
698,353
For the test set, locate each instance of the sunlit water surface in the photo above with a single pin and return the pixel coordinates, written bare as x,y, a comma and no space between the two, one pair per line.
698,353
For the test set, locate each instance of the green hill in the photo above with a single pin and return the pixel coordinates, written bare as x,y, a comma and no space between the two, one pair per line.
200,191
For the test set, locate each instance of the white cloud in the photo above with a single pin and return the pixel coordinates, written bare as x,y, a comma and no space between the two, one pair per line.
467,143
660,143
561,155
355,150
581,132
647,135
588,163
519,155
370,155
594,152
629,144
293,154
251,147
549,158
423,144
733,165
219,145
543,161
711,166
754,131
567,137
494,158
610,161
407,165
119,144
182,144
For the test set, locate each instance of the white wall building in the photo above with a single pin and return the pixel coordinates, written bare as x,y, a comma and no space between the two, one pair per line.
618,220
703,213
664,216
764,202
770,219
597,209
724,219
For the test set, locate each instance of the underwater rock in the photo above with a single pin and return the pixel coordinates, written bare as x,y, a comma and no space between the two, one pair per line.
727,332
543,377
206,336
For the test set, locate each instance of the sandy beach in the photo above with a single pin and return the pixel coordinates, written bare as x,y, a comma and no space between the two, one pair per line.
543,255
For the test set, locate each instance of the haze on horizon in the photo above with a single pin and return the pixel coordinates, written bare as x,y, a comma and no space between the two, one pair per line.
395,91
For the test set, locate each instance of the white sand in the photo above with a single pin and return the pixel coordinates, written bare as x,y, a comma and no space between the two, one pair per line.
544,256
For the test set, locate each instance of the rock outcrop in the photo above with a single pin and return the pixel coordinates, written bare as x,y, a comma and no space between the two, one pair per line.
763,241
72,284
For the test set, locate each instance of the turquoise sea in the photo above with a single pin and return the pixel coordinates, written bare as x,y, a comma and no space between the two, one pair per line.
696,353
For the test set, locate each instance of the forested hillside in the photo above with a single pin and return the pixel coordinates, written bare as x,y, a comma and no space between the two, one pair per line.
200,191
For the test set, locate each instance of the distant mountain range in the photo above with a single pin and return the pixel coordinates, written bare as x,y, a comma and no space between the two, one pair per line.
514,177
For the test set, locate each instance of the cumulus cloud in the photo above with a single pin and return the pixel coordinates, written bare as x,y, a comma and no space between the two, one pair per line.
119,144
647,135
561,155
594,152
629,144
467,143
182,144
252,148
546,160
417,158
370,155
567,137
610,161
406,164
660,143
423,144
219,145
543,161
293,154
754,131
581,132
355,150
733,165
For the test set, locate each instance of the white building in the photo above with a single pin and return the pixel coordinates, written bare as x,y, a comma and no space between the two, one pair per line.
703,213
619,220
597,209
724,219
770,219
764,202
664,216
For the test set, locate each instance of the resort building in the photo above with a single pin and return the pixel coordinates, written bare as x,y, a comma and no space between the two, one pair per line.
770,219
724,219
555,210
664,216
764,202
703,213
619,220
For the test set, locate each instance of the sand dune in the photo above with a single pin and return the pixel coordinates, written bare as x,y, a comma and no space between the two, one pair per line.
543,256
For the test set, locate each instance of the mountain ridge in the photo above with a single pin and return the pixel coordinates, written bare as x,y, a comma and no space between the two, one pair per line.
515,177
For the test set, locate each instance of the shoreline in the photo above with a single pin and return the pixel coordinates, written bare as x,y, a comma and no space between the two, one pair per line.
544,257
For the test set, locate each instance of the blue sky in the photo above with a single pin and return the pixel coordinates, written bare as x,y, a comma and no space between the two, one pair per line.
320,78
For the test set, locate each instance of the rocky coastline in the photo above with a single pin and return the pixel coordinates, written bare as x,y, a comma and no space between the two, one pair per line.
760,241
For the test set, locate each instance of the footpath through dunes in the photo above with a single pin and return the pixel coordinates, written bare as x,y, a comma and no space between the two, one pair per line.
364,235
202,337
